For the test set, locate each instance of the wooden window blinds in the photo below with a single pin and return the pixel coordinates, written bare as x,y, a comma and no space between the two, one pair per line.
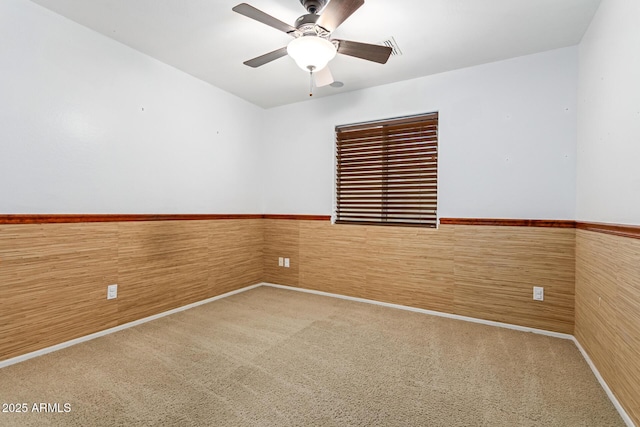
387,172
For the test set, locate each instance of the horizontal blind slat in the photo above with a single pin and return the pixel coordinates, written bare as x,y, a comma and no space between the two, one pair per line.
369,171
405,157
400,148
391,206
399,139
390,122
405,195
388,130
373,208
419,164
406,178
397,187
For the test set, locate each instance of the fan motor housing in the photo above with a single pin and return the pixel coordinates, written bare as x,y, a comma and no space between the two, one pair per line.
308,19
306,24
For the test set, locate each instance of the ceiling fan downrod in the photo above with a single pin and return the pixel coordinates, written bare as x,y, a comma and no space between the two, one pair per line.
313,6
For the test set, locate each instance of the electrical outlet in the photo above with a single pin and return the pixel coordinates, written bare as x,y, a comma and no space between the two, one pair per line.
538,293
280,262
286,262
112,291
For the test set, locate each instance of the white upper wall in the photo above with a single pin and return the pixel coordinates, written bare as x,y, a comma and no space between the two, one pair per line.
507,139
88,125
608,166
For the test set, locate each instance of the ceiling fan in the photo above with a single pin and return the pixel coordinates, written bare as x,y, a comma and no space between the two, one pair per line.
312,48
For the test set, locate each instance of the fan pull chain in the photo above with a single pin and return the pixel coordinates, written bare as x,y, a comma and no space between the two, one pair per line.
311,68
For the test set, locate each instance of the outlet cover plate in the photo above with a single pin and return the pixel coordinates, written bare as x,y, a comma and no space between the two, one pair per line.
538,293
112,291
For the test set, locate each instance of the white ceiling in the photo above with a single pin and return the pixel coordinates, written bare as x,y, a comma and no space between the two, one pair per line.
206,39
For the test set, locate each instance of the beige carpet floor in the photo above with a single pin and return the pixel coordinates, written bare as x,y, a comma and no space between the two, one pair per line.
272,357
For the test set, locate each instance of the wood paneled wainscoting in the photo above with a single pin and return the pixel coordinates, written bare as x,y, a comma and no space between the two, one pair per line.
484,270
54,271
608,306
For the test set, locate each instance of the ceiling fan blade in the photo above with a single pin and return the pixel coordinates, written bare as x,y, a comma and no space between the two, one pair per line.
267,57
336,12
260,16
370,52
323,77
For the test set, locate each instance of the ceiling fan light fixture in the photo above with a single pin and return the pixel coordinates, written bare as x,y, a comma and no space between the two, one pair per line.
311,53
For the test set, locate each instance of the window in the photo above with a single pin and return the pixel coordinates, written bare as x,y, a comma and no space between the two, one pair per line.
387,172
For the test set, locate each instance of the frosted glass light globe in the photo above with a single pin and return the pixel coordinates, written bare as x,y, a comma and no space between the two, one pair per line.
311,51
